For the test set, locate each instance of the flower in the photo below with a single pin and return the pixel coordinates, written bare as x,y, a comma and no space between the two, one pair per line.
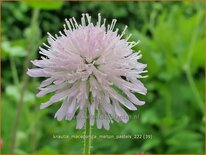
92,69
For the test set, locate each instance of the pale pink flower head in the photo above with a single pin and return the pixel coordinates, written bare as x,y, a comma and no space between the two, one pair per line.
93,70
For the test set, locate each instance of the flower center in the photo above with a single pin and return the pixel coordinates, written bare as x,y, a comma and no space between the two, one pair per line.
92,62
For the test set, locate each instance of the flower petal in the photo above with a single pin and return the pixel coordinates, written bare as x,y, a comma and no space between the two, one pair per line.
61,113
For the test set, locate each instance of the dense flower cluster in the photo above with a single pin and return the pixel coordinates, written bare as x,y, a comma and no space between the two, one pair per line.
90,67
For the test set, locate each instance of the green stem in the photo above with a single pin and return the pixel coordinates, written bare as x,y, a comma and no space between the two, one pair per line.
194,89
87,136
31,46
188,73
14,71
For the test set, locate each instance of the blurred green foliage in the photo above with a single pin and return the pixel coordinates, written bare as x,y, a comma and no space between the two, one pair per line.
172,44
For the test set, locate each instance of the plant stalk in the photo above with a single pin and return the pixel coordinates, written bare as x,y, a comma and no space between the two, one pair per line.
31,47
87,136
14,71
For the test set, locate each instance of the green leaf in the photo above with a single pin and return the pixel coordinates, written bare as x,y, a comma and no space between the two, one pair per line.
46,5
13,93
198,58
151,143
47,150
8,112
14,49
186,141
20,137
149,117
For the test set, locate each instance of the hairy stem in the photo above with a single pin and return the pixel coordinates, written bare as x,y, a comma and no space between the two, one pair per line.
87,136
14,71
31,47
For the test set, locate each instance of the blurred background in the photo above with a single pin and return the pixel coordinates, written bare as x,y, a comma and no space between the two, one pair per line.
172,44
